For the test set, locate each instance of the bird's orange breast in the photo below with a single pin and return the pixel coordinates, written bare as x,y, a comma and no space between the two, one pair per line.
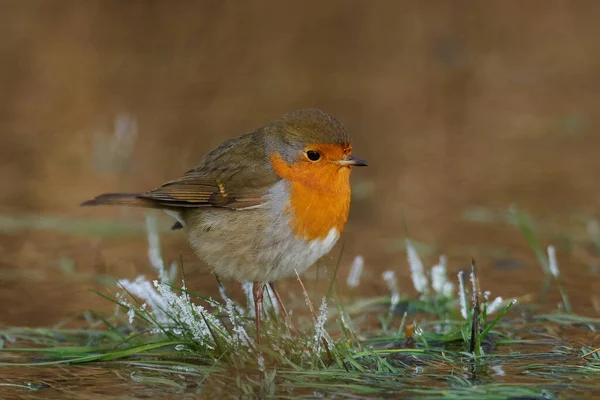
319,196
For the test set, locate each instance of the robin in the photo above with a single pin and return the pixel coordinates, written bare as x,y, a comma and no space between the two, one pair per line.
265,205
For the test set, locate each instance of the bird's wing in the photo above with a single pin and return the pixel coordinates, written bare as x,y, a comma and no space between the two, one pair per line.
235,175
199,189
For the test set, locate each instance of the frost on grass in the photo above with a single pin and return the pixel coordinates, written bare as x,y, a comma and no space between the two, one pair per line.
155,254
227,331
462,296
448,289
495,305
436,288
439,275
175,313
171,312
417,272
355,272
241,336
439,279
552,263
131,315
145,290
390,278
193,318
320,332
247,288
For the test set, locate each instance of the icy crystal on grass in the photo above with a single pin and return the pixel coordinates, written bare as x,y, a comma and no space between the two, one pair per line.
320,332
176,313
355,272
439,279
154,252
260,360
131,315
226,299
144,289
552,263
495,305
498,371
492,307
194,318
448,289
131,312
417,271
473,281
241,336
247,288
223,293
390,278
439,276
461,295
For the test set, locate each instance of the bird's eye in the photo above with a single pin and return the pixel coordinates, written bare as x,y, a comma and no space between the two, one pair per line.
313,155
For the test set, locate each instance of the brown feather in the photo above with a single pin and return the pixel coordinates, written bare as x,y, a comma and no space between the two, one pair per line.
195,189
120,199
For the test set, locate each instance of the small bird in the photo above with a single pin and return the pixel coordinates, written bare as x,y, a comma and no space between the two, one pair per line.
265,205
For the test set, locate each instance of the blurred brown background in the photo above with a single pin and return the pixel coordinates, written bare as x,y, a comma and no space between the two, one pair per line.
455,104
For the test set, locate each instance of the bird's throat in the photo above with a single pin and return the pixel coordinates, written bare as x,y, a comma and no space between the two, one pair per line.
319,197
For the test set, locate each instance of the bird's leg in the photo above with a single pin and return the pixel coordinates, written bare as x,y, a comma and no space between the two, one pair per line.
257,292
285,313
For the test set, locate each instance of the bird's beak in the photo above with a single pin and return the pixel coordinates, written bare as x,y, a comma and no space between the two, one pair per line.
352,161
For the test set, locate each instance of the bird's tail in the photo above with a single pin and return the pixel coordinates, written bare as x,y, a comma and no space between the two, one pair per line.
121,199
